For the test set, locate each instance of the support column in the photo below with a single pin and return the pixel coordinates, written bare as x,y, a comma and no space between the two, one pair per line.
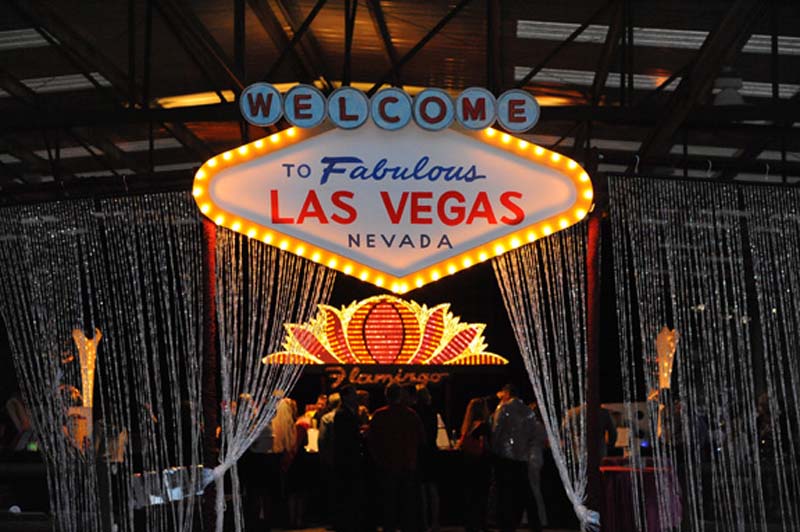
210,393
594,488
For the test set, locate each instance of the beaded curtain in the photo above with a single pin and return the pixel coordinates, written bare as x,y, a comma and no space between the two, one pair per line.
120,279
259,288
544,290
713,263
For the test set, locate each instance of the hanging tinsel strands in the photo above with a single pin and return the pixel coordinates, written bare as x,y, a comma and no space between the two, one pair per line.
102,303
152,301
259,288
774,230
41,306
544,290
683,261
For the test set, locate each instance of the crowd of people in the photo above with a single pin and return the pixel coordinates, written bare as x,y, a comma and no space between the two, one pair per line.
378,469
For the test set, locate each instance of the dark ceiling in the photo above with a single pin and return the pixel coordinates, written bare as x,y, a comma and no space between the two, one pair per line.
89,88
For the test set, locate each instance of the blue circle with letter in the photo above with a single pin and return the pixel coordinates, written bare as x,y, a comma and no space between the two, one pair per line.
433,109
476,108
348,108
391,108
261,104
304,106
517,110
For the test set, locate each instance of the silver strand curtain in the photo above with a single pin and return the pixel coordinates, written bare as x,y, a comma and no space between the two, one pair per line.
125,274
544,290
682,260
774,232
259,288
42,279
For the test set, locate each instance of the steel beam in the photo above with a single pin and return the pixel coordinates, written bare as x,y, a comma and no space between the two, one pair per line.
304,70
703,117
494,49
289,12
382,29
601,72
148,183
722,42
200,45
38,14
701,162
350,11
116,157
417,47
563,44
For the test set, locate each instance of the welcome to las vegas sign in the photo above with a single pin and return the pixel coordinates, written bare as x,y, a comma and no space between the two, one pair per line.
397,206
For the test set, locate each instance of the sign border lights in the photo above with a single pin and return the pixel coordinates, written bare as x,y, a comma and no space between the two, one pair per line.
347,265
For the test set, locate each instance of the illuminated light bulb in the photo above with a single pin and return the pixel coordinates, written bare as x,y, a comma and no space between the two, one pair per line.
268,238
588,193
563,223
547,230
291,131
506,138
396,288
275,138
572,165
251,233
515,243
379,281
227,155
332,263
451,269
201,174
403,288
259,144
300,250
284,245
219,219
435,275
467,262
205,208
482,256
348,269
236,226
197,191
584,177
490,132
580,214
242,150
538,150
212,162
419,282
315,257
522,144
531,236
364,276
499,249
555,157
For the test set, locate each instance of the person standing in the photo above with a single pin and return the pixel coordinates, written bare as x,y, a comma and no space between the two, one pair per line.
348,463
326,458
394,438
474,445
513,437
535,463
427,458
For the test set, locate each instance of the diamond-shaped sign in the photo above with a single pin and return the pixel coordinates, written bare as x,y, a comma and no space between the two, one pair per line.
395,208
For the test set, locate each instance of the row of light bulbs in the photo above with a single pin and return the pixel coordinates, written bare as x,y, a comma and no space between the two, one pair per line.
399,286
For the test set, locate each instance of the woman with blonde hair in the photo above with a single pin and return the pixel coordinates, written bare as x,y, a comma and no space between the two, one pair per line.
474,445
284,432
